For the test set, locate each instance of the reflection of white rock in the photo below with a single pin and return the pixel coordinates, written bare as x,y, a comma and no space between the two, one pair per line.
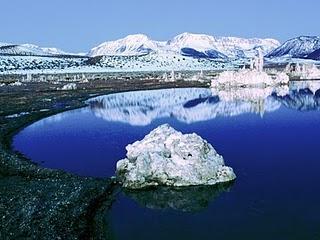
243,94
312,85
249,94
282,90
168,157
185,199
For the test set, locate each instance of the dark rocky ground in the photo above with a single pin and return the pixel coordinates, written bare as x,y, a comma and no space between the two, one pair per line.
38,203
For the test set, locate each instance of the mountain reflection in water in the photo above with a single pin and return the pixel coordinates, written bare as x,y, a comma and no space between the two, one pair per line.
199,104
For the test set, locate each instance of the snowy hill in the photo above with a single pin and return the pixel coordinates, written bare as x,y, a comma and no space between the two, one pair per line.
232,47
187,44
162,62
137,44
29,50
299,47
151,62
38,64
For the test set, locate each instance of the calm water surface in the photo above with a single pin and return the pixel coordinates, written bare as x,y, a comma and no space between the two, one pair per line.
269,136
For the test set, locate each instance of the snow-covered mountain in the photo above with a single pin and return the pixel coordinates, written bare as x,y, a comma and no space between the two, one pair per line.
228,46
29,50
188,44
137,44
299,47
185,52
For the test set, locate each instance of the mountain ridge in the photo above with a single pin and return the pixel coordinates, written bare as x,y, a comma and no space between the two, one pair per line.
298,47
140,44
185,44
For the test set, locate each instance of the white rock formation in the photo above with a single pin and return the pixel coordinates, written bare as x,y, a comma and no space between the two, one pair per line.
172,76
15,84
242,77
29,77
304,71
69,86
167,157
200,76
249,94
165,77
253,77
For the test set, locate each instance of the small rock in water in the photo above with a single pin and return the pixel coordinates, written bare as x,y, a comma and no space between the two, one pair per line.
166,157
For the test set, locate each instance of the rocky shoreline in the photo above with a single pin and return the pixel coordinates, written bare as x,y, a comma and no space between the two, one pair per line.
39,203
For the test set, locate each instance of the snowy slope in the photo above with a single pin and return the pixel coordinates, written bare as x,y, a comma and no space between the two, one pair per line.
229,46
137,44
197,45
162,62
298,47
188,44
25,64
29,50
152,62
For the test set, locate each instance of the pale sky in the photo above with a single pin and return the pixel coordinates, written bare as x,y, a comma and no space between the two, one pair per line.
78,25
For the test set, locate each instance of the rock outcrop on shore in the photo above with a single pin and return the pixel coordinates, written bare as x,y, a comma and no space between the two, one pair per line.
166,157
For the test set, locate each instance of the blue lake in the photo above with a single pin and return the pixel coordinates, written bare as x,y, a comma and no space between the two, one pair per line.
268,136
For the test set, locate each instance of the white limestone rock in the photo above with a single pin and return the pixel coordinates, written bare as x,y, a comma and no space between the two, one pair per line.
248,78
69,86
16,84
253,77
304,71
166,157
